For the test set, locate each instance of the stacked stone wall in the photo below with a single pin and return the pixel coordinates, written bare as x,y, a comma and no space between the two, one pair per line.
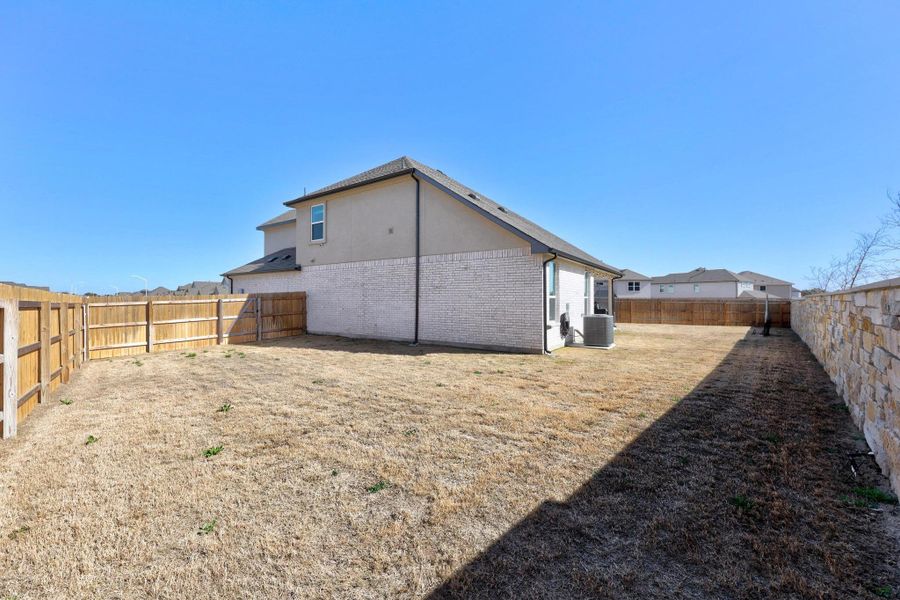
855,335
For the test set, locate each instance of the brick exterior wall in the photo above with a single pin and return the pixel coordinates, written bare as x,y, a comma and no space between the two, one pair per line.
856,337
482,299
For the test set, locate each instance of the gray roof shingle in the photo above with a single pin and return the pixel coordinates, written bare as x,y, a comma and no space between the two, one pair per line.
699,275
491,209
283,260
760,279
633,275
285,217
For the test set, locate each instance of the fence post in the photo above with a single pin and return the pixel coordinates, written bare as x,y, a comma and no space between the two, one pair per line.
86,330
78,353
64,341
220,332
10,390
44,350
149,325
258,319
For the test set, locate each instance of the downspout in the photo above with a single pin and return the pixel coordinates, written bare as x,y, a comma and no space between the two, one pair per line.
544,296
230,284
612,295
418,256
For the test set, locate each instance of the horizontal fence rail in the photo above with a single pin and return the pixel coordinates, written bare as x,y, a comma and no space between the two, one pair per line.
689,311
44,335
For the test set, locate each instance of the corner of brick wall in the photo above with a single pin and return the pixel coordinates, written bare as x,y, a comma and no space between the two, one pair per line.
856,338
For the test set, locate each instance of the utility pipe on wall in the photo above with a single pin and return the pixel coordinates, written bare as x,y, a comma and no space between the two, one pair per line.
418,256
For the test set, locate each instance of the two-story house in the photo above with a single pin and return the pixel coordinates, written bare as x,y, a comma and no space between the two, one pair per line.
404,252
701,283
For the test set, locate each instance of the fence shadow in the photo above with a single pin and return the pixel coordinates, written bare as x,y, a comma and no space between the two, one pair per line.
737,492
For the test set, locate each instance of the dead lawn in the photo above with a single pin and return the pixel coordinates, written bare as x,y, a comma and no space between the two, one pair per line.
363,469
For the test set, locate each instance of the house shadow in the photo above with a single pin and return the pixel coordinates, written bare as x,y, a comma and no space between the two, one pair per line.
739,491
369,346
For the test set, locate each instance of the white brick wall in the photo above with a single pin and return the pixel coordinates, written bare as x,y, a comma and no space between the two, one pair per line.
490,298
571,291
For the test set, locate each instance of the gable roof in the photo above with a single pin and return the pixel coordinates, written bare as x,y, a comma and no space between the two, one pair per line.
282,260
759,278
285,217
699,275
633,275
756,294
541,239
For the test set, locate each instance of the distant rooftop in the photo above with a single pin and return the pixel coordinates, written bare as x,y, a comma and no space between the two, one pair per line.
700,275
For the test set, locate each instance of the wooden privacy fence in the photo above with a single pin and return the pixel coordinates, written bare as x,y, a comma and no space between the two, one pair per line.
45,335
121,327
703,312
40,344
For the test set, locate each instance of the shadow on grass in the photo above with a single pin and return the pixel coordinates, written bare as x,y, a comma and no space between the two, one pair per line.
369,346
739,491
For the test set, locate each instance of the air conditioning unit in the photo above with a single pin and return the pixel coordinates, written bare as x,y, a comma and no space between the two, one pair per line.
599,331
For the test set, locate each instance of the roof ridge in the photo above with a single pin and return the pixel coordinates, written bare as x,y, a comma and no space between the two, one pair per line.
476,200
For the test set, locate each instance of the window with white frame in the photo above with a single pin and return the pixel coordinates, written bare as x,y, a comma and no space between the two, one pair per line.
634,286
762,288
696,288
587,293
552,285
667,288
317,223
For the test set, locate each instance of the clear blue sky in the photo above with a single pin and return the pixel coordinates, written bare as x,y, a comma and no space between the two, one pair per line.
152,138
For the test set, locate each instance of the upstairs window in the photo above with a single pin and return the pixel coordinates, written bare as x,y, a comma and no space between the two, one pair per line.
696,288
762,288
317,223
634,286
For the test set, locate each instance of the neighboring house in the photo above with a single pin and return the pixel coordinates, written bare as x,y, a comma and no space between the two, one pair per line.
632,285
701,283
203,288
764,284
404,252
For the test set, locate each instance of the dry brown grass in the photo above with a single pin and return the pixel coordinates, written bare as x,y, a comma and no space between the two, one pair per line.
589,473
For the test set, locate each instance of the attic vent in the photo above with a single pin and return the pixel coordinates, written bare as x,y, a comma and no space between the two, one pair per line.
501,208
273,259
285,257
473,196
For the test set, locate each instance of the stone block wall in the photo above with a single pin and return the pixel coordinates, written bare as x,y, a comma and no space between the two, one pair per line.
855,335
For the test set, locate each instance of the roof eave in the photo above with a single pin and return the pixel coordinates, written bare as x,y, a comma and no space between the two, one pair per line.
344,188
265,226
606,268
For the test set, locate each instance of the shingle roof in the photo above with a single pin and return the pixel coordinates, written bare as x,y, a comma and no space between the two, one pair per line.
633,275
489,208
699,275
759,278
283,260
755,294
285,217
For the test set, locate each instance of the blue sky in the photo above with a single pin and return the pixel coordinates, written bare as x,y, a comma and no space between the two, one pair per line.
152,138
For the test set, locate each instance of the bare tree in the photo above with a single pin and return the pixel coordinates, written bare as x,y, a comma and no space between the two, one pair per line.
874,255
